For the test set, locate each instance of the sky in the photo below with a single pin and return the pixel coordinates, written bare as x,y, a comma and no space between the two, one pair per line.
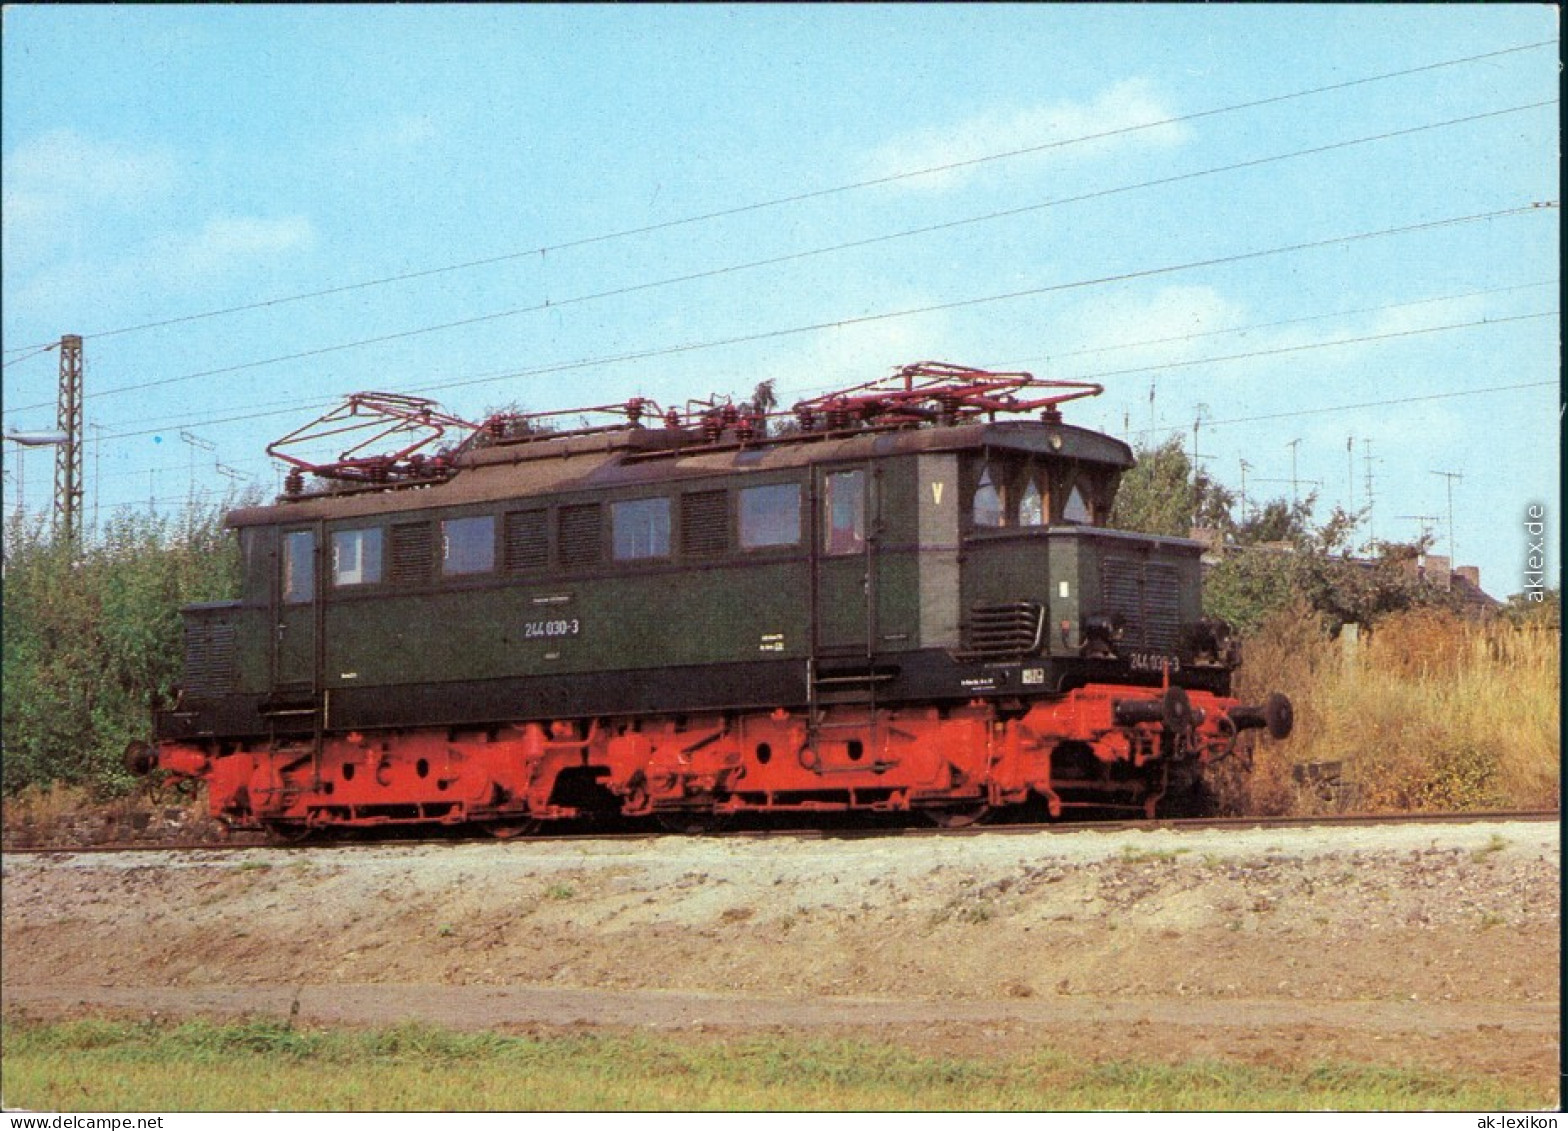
1328,235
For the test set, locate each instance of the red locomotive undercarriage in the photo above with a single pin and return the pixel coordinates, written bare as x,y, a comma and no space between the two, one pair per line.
1097,746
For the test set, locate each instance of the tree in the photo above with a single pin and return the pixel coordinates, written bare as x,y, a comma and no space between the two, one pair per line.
1278,521
1315,566
1545,611
1213,505
1277,557
1156,495
764,399
513,421
1161,495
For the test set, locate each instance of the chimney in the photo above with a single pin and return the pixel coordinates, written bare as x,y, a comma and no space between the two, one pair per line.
1472,574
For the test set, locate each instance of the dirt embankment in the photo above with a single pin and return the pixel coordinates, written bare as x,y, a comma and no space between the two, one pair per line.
1413,944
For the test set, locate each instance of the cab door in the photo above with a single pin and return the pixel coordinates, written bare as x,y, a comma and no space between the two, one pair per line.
845,555
297,612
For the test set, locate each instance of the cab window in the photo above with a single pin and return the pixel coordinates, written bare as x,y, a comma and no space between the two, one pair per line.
1076,509
1033,504
990,504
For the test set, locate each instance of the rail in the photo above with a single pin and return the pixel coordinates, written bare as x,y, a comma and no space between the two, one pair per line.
247,842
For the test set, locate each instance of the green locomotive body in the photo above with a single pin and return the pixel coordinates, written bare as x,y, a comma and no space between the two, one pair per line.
881,613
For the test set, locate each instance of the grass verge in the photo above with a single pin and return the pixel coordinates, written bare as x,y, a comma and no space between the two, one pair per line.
261,1065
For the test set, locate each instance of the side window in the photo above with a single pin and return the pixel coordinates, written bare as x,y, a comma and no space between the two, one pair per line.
1077,508
468,545
1099,490
640,528
356,556
770,516
299,567
1033,508
1108,486
990,507
844,502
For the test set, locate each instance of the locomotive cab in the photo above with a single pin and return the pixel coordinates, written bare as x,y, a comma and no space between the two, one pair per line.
1041,563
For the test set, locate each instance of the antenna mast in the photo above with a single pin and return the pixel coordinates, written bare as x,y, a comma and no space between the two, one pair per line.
1453,562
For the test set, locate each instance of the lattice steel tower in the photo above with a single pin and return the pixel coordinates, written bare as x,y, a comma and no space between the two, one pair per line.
68,456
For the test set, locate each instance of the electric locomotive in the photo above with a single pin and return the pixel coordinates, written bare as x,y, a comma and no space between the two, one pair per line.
905,599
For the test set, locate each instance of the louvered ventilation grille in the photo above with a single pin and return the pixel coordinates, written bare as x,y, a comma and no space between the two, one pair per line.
209,660
1147,595
411,553
527,547
580,538
703,523
1003,630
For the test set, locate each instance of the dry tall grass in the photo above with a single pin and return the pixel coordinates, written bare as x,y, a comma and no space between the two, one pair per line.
66,815
1431,711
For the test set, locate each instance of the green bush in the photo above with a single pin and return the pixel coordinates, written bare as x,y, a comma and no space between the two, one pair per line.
93,638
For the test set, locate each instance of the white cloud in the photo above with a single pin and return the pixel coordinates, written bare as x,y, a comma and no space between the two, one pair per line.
54,183
230,241
810,364
1111,120
1421,315
171,265
393,137
854,354
1126,331
86,218
1174,326
78,171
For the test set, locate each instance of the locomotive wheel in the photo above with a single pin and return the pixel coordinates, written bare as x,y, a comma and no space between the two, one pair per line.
287,832
1188,795
693,824
958,816
507,830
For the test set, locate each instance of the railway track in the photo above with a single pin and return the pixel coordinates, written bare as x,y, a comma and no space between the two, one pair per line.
246,842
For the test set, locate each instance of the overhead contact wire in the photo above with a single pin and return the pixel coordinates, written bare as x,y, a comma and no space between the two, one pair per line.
606,361
934,170
795,256
869,318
